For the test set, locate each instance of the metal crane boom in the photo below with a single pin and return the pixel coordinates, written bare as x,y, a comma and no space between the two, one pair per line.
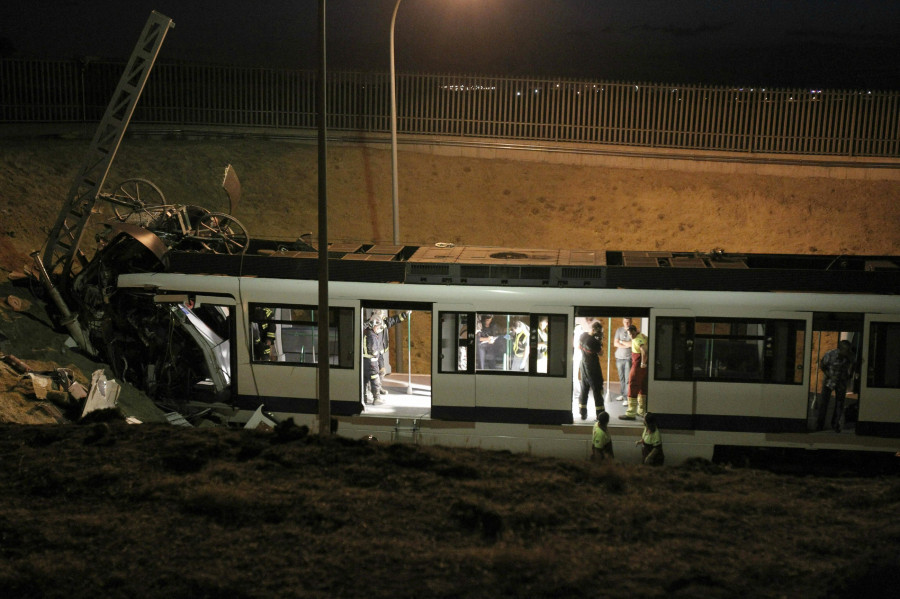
62,256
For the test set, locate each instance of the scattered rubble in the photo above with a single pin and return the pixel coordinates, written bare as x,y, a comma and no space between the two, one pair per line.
53,388
17,303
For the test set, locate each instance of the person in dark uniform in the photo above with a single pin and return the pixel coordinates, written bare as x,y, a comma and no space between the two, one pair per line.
373,353
486,336
591,345
838,366
263,334
387,323
372,350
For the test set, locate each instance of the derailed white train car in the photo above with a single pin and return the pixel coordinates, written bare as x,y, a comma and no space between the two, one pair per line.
183,304
735,344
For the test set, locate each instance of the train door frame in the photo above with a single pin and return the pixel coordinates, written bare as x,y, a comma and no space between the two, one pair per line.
787,404
366,308
497,391
290,386
674,397
545,390
879,406
610,317
840,323
228,301
452,390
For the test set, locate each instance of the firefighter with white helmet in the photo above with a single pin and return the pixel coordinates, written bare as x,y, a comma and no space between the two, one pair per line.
375,340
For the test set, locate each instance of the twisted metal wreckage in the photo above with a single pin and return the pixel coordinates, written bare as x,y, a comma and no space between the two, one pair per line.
169,348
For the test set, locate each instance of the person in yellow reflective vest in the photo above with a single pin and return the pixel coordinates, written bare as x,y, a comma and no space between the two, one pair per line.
264,335
520,346
637,382
601,442
651,442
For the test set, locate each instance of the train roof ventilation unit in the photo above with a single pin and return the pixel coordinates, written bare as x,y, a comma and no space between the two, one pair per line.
682,260
651,259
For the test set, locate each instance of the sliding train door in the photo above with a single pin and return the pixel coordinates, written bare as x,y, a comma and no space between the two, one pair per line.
785,354
672,391
453,362
730,373
282,373
829,330
879,396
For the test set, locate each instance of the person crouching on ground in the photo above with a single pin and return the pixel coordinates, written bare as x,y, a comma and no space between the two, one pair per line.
651,442
601,448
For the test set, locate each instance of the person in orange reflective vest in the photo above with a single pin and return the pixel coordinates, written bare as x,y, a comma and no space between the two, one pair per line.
637,383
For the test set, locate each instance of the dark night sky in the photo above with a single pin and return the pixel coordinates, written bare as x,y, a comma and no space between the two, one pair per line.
832,44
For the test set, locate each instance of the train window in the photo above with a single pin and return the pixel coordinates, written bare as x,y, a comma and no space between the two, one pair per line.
884,355
290,335
728,350
502,343
455,341
673,346
785,340
551,340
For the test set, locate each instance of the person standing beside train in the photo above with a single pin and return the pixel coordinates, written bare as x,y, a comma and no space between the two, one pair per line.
637,382
591,345
622,341
837,365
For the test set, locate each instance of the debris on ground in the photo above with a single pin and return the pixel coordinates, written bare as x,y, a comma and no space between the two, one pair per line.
17,303
42,376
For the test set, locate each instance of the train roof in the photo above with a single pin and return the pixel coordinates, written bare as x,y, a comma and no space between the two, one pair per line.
449,264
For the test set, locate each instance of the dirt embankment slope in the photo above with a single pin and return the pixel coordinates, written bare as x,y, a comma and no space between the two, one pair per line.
470,201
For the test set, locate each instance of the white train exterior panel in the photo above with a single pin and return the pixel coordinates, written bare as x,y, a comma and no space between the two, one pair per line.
495,402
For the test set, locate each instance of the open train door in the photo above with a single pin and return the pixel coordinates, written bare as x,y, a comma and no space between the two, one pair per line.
829,329
879,395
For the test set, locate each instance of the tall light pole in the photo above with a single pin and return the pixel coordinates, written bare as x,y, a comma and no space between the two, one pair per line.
324,396
394,193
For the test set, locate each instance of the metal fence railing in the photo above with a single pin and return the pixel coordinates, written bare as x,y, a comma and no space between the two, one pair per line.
789,121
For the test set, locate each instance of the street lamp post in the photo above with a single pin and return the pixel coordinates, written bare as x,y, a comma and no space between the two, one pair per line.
394,194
